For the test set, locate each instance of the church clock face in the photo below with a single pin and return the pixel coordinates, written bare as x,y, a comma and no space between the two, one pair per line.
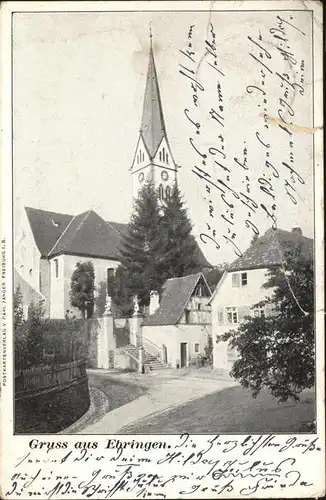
164,175
141,177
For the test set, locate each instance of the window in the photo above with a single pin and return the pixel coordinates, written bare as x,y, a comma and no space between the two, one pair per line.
232,315
56,267
196,348
221,317
167,191
109,276
160,192
259,312
30,272
160,155
239,279
163,154
167,158
244,279
199,307
187,316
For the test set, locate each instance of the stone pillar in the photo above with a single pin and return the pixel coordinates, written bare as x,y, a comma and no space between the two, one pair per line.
220,356
141,359
105,338
135,330
135,325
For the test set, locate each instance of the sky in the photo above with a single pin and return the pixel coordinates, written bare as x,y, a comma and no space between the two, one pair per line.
78,86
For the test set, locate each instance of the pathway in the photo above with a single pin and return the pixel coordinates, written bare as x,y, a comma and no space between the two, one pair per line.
166,390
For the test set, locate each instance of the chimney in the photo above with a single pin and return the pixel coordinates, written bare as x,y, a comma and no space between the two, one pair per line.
297,230
154,303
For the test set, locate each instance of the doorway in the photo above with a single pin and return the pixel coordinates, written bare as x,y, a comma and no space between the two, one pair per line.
183,354
165,354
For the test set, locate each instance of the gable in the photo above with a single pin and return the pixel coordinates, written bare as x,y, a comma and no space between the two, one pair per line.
46,227
141,157
163,155
175,297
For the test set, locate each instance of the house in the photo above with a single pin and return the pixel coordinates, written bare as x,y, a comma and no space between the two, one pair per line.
49,244
241,286
179,325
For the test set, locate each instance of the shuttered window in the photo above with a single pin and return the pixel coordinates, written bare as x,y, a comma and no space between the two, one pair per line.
235,280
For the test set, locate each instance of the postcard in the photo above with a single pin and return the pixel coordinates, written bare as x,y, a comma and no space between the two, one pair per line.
162,250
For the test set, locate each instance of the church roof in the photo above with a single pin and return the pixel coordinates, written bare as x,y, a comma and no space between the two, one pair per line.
270,248
83,234
46,227
152,124
175,296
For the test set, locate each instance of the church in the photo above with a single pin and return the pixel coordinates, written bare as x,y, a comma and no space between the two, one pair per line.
48,244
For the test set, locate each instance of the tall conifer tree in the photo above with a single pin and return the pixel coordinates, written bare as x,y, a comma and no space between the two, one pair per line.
179,251
140,246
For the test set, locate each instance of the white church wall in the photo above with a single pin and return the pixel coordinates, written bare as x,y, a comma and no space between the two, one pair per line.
100,269
26,254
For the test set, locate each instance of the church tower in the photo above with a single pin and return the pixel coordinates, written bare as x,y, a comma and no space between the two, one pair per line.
153,160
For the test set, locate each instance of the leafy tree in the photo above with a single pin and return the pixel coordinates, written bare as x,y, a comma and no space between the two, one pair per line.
178,250
140,247
82,288
277,351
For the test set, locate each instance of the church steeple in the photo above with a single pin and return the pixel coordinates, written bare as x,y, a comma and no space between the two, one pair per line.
153,159
152,123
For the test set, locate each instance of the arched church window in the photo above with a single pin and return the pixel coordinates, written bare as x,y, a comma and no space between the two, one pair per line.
163,154
161,192
167,191
167,158
160,155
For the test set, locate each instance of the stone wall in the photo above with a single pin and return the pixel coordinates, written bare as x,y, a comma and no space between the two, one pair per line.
53,410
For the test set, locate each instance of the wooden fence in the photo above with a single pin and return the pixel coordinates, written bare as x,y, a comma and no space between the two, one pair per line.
47,377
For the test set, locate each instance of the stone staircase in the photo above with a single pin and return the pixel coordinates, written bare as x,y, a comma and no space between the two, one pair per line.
150,360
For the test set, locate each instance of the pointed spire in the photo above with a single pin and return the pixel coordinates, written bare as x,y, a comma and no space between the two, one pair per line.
152,124
150,34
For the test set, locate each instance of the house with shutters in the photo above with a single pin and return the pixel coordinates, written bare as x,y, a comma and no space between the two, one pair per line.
242,286
178,326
